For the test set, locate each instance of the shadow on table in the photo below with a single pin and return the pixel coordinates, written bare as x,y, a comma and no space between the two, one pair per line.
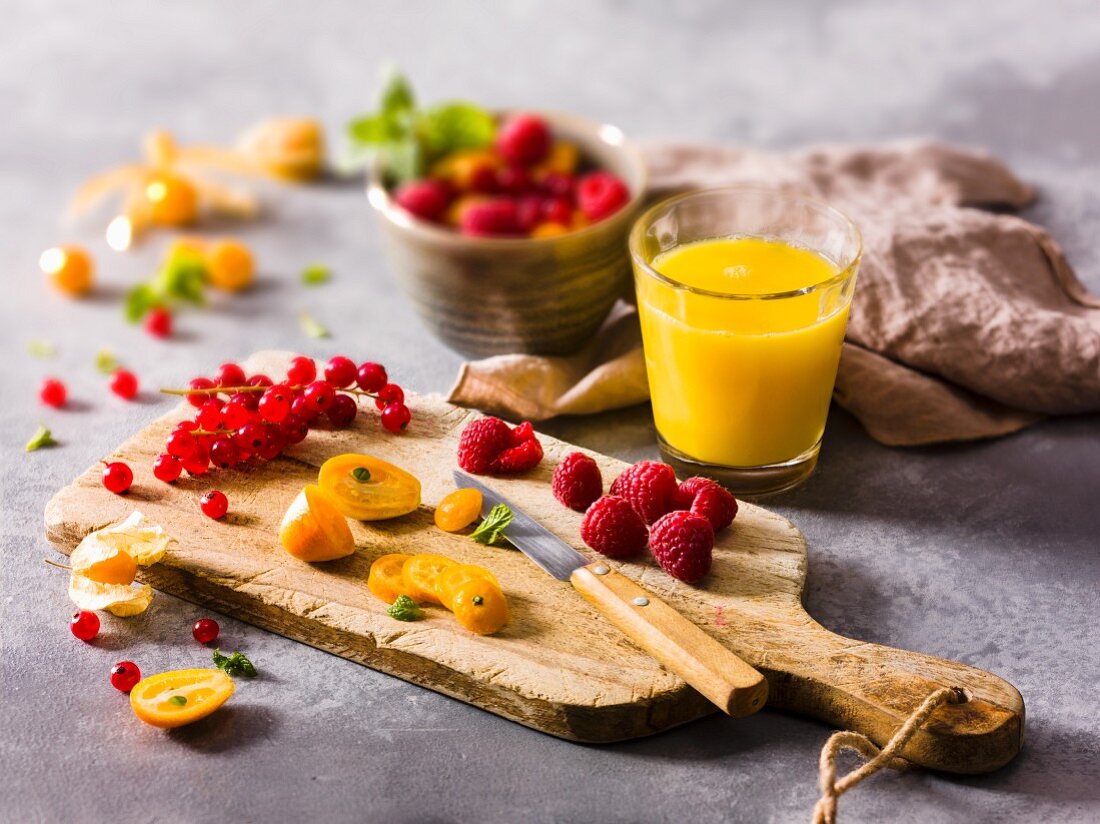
232,727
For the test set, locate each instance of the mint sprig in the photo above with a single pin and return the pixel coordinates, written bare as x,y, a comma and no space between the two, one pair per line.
179,280
492,527
41,437
405,609
235,664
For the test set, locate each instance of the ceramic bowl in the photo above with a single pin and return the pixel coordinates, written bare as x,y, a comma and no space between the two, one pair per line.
546,296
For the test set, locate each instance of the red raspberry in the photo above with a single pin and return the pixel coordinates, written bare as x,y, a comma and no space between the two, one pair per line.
650,486
495,217
600,194
682,543
481,442
524,432
709,499
426,199
528,211
577,481
558,210
518,459
524,140
513,180
613,528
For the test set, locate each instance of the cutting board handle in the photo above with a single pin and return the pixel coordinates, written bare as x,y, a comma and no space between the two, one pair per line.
873,689
724,679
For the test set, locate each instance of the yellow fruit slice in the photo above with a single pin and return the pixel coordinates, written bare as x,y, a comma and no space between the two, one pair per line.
368,489
421,573
385,579
480,606
172,699
459,509
313,528
453,577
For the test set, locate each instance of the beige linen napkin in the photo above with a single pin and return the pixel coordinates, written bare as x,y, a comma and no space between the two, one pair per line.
966,323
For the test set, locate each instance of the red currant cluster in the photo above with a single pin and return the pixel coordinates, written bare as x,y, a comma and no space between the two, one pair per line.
239,416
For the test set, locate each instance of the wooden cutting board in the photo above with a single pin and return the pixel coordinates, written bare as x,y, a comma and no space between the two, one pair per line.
558,666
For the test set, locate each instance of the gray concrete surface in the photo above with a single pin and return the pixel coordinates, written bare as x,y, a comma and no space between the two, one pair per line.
986,553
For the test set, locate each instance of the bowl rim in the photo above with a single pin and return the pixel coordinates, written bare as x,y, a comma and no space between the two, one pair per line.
606,133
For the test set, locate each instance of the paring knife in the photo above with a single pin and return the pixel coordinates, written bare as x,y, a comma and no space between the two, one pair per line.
720,676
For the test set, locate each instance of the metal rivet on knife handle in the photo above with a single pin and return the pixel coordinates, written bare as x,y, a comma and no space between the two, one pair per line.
640,601
600,570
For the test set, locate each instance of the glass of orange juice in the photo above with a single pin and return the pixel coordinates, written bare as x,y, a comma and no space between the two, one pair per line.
743,295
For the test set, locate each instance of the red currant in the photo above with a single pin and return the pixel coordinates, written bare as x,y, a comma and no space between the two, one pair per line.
197,465
125,675
319,396
205,630
224,453
167,468
117,477
260,380
302,370
252,436
124,383
53,393
275,403
371,377
340,372
229,374
187,426
558,210
210,414
301,408
513,180
181,444
214,504
276,441
294,429
84,625
158,323
197,399
342,411
559,185
395,417
390,393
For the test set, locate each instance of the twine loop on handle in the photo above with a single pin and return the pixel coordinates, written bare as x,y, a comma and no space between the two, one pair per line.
831,789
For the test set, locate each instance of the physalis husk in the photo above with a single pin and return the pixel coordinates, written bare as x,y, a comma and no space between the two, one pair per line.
105,562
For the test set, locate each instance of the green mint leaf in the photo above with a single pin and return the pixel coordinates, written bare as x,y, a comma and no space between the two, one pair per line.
182,278
311,326
405,609
492,527
178,700
402,162
41,437
41,349
456,125
235,664
375,130
105,361
139,301
397,95
361,474
316,274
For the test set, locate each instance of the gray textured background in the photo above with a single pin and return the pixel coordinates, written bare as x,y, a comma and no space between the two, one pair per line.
986,553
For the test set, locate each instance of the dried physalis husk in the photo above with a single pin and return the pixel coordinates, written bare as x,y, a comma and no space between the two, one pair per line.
105,563
288,147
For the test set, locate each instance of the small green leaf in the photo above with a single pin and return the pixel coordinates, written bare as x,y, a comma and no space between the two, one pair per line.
492,527
182,278
397,95
375,130
41,437
41,349
178,700
316,274
235,664
105,361
405,609
402,162
456,125
311,326
139,301
361,474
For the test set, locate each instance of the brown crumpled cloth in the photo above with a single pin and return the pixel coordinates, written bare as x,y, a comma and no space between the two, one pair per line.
966,323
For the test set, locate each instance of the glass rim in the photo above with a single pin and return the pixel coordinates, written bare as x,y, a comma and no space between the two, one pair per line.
647,217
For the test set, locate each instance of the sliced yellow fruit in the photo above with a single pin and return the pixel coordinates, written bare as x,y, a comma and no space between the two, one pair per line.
172,699
385,579
313,528
452,578
421,574
369,489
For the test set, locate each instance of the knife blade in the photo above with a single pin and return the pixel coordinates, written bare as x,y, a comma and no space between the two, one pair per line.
732,685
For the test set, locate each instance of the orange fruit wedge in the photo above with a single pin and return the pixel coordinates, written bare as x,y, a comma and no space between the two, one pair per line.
368,489
421,573
313,528
385,580
172,699
453,577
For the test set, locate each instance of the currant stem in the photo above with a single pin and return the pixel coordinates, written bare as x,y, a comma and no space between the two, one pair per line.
230,390
56,564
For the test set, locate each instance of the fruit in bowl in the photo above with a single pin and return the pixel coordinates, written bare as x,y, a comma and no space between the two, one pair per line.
506,229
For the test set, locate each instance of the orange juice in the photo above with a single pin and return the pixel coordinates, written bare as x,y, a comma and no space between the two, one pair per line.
740,377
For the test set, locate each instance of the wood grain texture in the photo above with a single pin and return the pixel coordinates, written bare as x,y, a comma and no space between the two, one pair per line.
558,666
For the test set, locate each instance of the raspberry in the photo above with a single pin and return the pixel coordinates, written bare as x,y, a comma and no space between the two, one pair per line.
600,194
494,217
682,543
524,140
649,486
426,199
709,499
577,481
613,528
524,432
518,459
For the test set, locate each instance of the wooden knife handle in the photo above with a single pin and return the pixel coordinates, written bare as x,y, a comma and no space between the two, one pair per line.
720,676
